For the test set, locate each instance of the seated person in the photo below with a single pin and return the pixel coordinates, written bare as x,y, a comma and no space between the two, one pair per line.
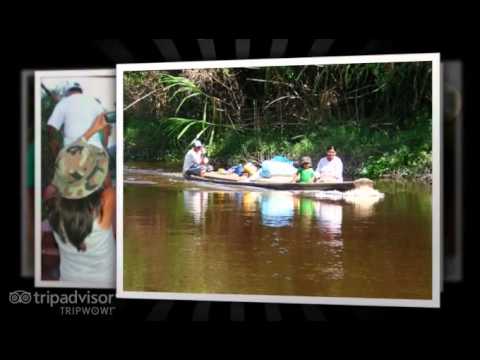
195,163
330,168
305,174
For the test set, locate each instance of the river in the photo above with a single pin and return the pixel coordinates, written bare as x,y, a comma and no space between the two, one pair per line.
186,237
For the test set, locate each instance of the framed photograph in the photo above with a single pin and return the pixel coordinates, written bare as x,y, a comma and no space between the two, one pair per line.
303,180
27,176
453,170
75,243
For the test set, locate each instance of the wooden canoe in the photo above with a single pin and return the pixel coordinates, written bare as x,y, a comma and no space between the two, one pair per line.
343,186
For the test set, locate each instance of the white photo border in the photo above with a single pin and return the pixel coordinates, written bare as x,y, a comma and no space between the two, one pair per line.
38,175
437,125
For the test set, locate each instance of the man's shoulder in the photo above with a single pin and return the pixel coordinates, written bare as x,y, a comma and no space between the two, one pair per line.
85,99
189,153
62,102
68,100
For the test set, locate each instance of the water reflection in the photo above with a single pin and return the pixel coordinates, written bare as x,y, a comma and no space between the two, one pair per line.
250,202
277,209
329,217
363,201
306,207
363,207
307,211
190,239
197,203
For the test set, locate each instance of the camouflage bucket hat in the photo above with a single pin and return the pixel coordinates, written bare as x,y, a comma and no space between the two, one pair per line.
80,170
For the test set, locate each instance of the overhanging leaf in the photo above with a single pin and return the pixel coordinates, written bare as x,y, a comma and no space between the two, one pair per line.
185,130
184,100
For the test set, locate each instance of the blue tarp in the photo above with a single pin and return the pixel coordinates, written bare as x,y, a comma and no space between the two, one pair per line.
278,166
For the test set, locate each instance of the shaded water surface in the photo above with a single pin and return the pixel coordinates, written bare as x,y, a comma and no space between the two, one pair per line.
185,237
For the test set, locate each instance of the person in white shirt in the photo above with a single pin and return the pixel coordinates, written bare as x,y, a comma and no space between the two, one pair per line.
75,113
330,168
99,124
194,162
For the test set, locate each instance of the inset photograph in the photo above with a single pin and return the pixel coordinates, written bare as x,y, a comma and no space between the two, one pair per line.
310,180
75,178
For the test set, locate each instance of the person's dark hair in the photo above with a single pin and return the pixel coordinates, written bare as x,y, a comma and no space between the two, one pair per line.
73,220
330,147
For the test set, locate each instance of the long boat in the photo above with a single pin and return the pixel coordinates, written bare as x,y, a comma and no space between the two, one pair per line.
285,185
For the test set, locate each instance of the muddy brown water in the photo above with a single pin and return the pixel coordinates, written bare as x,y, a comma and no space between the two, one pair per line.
185,237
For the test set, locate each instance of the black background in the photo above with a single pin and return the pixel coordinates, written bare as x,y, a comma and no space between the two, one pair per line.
31,53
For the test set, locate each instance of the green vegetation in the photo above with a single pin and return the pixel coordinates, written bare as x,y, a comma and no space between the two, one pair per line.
378,116
48,159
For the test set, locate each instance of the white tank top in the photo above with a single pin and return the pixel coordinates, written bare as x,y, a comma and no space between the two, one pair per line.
94,265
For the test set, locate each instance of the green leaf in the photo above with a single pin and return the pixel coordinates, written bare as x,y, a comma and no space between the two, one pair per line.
205,112
184,100
185,129
200,133
212,134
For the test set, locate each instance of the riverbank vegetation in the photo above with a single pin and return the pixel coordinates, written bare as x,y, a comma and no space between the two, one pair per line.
378,116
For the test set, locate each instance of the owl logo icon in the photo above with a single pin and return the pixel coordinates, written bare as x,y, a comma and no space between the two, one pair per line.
20,297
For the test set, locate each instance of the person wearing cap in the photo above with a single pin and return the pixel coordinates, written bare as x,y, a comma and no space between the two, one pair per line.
75,113
330,167
82,213
305,174
98,125
195,163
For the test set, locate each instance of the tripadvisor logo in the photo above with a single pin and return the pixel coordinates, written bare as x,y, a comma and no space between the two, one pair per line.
75,303
20,297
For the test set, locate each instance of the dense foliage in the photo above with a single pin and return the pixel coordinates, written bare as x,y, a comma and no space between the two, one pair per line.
377,115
